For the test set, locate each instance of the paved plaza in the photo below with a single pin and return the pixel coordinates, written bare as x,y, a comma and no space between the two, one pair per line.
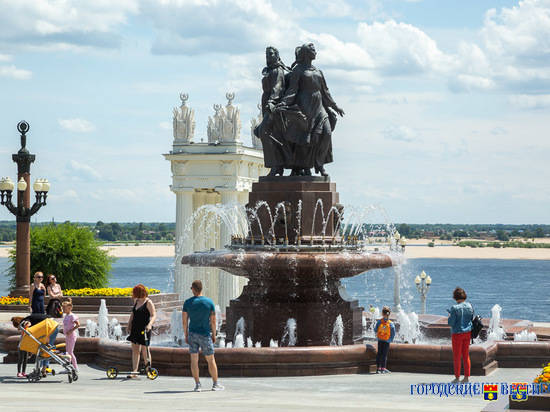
93,391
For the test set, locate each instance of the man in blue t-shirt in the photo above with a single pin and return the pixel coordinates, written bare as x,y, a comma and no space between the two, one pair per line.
199,325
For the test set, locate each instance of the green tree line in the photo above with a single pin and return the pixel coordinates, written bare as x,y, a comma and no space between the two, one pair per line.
108,232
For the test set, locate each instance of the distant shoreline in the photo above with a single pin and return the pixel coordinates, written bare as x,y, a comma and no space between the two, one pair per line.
148,250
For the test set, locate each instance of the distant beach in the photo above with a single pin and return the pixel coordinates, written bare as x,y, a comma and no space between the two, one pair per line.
414,249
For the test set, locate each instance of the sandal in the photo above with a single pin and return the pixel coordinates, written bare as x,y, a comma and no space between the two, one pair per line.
133,376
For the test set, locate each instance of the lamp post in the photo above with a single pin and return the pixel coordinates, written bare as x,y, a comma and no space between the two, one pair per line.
402,243
423,283
23,211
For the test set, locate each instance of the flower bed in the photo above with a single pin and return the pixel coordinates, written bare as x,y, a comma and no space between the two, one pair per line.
8,300
544,377
104,292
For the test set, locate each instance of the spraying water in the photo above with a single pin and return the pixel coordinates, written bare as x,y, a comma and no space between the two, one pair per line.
91,329
273,344
409,328
176,327
218,318
525,336
115,330
104,328
239,341
290,333
239,330
337,332
103,320
495,331
375,315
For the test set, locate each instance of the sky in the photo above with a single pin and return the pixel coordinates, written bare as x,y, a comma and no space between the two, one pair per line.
447,103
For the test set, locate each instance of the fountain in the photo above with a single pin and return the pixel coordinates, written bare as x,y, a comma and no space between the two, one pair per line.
176,328
525,336
409,328
91,329
337,332
103,320
495,331
296,250
289,335
103,328
238,339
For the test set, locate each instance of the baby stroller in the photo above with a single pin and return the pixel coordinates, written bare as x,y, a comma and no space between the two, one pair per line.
36,341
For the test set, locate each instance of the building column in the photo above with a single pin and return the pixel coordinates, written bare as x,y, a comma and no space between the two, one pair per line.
183,275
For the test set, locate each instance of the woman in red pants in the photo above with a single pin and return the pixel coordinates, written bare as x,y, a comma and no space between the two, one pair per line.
460,321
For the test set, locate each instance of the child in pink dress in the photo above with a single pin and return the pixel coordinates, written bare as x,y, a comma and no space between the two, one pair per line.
70,330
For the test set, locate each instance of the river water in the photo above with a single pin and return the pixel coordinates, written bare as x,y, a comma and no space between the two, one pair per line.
520,287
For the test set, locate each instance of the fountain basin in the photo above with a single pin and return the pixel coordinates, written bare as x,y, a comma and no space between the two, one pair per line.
323,360
304,286
312,264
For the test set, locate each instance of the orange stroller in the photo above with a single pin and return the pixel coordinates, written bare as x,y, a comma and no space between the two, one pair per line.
36,341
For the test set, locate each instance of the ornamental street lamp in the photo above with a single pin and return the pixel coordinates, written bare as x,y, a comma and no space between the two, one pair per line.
423,283
402,243
23,211
396,236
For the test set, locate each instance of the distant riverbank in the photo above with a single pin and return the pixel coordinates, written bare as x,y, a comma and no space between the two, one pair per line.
413,251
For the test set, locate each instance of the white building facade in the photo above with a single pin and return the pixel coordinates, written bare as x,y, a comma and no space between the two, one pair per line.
219,171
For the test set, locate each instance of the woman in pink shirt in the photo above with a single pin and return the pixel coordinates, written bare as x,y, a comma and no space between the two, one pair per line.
70,330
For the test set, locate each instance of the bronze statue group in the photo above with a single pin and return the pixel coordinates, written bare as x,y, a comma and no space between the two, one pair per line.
299,115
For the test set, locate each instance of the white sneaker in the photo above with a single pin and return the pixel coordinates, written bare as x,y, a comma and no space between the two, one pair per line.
198,387
217,387
465,380
455,380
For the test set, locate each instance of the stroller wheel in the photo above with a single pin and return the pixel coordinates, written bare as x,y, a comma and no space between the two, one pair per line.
53,372
75,375
152,373
70,377
112,372
33,377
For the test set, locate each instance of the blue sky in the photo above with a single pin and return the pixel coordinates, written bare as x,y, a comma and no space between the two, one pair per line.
446,102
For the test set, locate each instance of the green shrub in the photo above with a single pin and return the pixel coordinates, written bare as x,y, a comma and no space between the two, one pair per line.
70,253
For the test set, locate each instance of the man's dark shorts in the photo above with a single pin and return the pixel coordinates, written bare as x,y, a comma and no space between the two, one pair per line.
197,341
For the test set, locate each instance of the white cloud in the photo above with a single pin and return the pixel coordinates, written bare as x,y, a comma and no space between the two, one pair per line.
69,195
230,26
521,32
76,125
400,48
165,125
63,23
339,54
400,133
526,101
514,54
83,171
5,58
322,8
15,73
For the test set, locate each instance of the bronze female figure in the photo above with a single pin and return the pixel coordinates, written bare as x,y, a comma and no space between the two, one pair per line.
308,114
